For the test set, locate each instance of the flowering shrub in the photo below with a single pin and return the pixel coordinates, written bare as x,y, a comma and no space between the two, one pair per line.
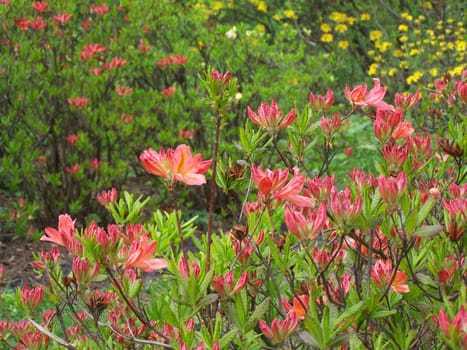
378,262
309,257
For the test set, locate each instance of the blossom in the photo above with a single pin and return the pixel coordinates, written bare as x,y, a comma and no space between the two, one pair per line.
343,208
272,185
305,225
94,163
330,125
100,10
280,330
169,91
64,236
395,156
455,328
72,139
187,134
176,165
115,63
82,271
90,50
403,130
61,18
223,78
107,197
78,101
38,23
270,117
381,274
392,188
140,255
322,103
41,6
122,90
224,284
31,298
360,96
72,169
299,306
406,100
127,118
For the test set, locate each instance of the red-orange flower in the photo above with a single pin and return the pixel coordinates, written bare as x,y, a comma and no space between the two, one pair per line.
360,96
270,117
176,165
280,330
140,255
382,272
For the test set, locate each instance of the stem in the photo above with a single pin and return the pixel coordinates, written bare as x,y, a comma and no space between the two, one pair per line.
212,189
179,225
284,160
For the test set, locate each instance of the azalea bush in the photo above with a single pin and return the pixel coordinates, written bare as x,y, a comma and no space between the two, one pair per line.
373,260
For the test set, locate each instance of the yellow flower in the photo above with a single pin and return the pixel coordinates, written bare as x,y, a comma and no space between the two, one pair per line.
392,72
403,65
450,20
325,28
414,52
430,32
375,35
371,52
461,45
290,14
398,53
417,31
448,31
365,16
403,38
383,46
262,7
428,4
406,16
343,44
341,28
217,5
373,69
415,77
327,38
338,16
450,45
260,28
457,70
351,20
403,27
277,17
434,72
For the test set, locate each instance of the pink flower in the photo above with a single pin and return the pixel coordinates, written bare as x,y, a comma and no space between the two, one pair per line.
223,78
82,271
127,118
270,117
272,185
22,23
78,101
187,134
41,6
72,169
406,100
455,329
94,163
90,50
392,188
331,125
31,298
107,197
100,10
360,96
386,122
395,156
169,91
115,63
280,330
122,90
300,305
419,146
319,188
224,284
305,225
176,165
343,208
140,255
64,236
61,18
381,274
72,139
322,103
403,130
38,23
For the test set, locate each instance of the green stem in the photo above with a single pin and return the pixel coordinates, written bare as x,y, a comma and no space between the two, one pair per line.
179,225
212,189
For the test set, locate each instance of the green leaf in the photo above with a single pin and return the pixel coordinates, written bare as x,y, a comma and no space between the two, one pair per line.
429,230
308,339
382,314
260,310
425,210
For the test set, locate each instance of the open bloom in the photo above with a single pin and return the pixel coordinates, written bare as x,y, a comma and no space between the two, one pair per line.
272,185
360,96
344,210
270,117
140,255
90,50
305,226
280,330
64,236
176,165
381,274
299,306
